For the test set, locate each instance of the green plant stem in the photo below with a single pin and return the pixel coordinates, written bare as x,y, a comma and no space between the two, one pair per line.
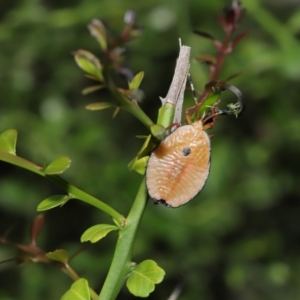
93,294
87,198
121,263
74,191
126,104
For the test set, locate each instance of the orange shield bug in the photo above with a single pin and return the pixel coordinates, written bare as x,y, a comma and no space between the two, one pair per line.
179,166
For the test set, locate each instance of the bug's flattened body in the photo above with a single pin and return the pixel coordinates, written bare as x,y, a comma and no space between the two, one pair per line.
178,168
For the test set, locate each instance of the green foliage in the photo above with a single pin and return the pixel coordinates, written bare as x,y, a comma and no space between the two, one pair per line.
52,201
136,81
59,255
8,140
92,89
143,278
139,163
99,106
89,63
58,166
78,291
97,232
98,30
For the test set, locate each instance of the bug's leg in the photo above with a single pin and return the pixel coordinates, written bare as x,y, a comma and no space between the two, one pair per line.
210,125
176,124
188,115
210,120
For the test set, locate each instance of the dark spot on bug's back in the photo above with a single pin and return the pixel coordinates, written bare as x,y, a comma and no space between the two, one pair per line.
186,151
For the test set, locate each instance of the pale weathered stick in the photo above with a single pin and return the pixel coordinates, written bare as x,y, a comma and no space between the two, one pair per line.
175,94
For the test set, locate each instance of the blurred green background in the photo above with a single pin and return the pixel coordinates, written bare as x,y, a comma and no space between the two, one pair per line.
240,238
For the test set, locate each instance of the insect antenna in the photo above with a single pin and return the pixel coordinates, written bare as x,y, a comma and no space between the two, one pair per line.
197,104
192,88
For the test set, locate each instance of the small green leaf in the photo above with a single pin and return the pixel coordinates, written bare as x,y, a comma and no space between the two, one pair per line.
53,201
59,255
139,165
142,280
89,63
158,131
79,291
92,89
97,232
98,31
147,147
8,140
136,81
58,166
99,106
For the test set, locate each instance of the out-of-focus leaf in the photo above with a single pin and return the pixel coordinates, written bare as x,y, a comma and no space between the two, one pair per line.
137,95
142,280
116,111
8,140
208,59
232,76
89,63
98,31
132,94
52,202
99,105
93,77
58,166
36,227
60,255
143,137
239,38
97,232
204,34
92,89
136,81
79,291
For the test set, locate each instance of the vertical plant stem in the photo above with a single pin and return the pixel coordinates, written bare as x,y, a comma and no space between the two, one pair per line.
121,263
